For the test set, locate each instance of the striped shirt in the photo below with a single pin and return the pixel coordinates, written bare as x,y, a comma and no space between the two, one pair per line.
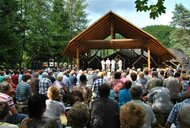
23,91
6,98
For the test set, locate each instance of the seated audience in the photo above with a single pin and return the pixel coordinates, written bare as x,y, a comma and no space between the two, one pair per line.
78,116
4,112
54,106
14,117
36,109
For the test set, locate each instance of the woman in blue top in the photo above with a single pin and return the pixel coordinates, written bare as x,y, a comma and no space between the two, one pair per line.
124,95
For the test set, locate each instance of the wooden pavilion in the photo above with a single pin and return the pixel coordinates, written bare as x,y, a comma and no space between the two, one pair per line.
95,38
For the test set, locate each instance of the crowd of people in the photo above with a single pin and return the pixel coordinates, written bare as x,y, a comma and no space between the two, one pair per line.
131,98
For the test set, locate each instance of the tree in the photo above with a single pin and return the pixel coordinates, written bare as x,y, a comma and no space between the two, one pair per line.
161,32
9,33
76,15
155,9
181,36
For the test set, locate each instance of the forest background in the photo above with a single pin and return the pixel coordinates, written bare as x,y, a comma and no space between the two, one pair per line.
34,31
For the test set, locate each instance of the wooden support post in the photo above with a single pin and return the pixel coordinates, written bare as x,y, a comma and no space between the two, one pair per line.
148,56
77,59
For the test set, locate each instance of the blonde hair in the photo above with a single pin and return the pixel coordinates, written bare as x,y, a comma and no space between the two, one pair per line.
132,115
53,93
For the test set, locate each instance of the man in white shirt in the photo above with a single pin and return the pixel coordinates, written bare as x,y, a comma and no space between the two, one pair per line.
107,64
103,63
113,65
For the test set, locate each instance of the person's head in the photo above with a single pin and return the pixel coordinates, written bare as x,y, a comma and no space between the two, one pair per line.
59,77
159,83
104,90
4,110
83,78
77,95
127,84
154,74
184,116
177,74
117,75
170,73
36,106
44,74
123,74
133,76
100,75
53,93
141,75
26,77
5,87
7,78
136,92
146,70
185,77
78,116
132,115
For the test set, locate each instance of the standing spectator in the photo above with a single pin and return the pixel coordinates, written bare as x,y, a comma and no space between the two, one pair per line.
15,77
184,116
124,95
23,90
97,83
172,118
133,76
136,94
50,76
104,111
184,82
159,98
151,83
132,115
146,73
117,84
44,84
142,81
173,85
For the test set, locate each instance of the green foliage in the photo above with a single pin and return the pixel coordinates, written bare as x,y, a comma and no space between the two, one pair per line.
155,9
9,33
37,30
181,36
161,32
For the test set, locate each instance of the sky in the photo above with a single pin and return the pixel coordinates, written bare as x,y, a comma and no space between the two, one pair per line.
126,9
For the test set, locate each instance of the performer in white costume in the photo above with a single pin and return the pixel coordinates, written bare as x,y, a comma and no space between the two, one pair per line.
103,63
107,64
120,64
113,65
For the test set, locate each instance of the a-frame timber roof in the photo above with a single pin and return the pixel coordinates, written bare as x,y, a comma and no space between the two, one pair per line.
134,38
